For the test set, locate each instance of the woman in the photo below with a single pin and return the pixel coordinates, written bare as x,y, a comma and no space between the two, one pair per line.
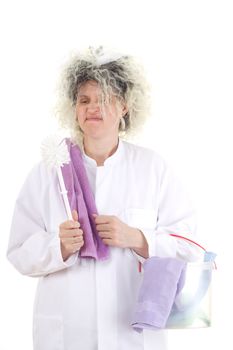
88,304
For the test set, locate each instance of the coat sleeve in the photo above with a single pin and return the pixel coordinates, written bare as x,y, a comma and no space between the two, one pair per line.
34,248
176,215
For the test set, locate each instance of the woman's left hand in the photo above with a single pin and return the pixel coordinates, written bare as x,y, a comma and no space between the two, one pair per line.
116,233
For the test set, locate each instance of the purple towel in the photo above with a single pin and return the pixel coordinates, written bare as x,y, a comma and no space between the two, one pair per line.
81,198
163,279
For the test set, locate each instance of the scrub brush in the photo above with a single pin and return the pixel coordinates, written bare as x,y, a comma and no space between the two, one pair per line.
55,154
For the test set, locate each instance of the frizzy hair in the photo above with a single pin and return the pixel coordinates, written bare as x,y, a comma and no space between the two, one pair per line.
122,77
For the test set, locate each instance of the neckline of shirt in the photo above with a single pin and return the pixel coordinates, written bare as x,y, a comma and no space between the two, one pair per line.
114,158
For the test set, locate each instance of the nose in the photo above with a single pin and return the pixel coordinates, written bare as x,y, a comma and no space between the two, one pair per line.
93,107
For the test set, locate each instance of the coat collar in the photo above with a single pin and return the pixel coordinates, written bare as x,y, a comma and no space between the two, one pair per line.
113,159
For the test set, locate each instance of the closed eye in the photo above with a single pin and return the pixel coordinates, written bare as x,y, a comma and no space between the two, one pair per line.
83,99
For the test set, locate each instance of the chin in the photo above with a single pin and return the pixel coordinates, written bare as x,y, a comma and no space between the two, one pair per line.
95,134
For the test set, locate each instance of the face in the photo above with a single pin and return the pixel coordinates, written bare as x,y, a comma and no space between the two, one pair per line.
97,122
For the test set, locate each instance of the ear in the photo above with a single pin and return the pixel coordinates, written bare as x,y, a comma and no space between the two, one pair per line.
125,109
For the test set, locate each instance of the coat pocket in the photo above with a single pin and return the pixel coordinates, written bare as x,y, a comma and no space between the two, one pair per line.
48,333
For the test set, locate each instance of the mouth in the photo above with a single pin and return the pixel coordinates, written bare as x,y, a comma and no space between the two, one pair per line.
94,119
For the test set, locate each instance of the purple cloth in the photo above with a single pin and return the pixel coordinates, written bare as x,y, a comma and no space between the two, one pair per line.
81,198
163,279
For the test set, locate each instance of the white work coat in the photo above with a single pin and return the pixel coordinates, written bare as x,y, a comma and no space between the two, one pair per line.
83,304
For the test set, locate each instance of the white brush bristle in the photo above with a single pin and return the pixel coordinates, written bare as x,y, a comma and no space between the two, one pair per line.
54,151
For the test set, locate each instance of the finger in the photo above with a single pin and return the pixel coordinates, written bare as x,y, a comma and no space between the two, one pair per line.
75,215
72,240
103,219
103,227
104,234
71,233
76,247
78,240
69,224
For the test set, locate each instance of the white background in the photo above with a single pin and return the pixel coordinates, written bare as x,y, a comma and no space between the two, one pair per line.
186,47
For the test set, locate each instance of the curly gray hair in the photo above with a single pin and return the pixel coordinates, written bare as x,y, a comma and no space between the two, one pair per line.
120,76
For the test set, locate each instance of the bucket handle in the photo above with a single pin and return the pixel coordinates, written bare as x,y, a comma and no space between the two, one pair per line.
186,239
193,242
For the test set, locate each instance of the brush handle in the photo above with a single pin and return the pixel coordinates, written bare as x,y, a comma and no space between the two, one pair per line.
64,193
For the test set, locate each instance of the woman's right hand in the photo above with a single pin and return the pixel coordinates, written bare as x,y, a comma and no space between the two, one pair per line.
71,236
